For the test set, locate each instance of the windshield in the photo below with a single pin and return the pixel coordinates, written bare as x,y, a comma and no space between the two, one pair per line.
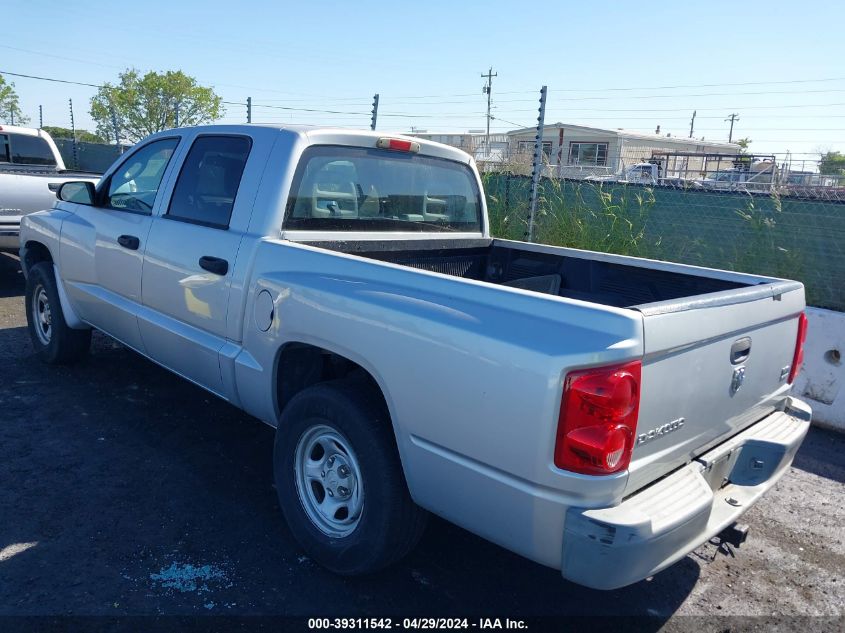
360,189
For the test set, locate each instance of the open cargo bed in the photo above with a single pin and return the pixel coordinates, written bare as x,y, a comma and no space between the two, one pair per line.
575,274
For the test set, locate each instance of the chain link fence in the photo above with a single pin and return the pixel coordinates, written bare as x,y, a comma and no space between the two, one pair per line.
768,234
744,173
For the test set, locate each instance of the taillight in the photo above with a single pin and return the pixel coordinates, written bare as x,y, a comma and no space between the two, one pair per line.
398,144
598,419
798,358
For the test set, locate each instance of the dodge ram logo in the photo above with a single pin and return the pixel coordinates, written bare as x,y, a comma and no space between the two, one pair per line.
674,425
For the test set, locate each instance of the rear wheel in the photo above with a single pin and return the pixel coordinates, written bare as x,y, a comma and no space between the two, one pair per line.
54,342
340,482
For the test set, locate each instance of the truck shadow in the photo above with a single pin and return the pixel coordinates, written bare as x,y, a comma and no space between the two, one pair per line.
12,282
823,454
117,470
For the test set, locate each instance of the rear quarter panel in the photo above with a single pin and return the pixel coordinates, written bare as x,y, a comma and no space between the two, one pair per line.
472,375
472,369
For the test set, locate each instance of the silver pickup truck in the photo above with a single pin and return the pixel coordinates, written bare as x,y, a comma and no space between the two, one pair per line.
31,169
599,414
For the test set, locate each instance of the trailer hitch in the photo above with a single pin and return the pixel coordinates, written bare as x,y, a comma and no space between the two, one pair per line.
734,535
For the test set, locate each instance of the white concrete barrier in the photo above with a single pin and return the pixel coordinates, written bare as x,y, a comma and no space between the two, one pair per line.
821,381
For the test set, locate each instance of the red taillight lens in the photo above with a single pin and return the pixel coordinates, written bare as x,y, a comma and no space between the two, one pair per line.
798,358
398,144
598,419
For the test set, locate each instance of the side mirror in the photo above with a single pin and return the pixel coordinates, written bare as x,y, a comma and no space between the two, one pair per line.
78,191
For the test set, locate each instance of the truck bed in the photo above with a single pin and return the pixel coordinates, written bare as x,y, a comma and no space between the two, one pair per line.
576,275
693,320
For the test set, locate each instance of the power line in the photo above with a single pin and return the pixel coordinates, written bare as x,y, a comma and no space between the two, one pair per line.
91,85
508,122
703,94
560,90
635,88
741,83
61,81
69,59
722,108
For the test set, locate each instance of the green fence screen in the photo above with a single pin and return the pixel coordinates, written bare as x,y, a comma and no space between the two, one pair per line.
795,238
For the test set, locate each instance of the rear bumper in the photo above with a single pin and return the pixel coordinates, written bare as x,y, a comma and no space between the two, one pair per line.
609,548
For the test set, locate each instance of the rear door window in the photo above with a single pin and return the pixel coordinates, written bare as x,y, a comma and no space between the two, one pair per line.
208,183
30,150
4,148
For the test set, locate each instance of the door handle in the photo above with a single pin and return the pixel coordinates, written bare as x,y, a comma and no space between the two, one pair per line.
214,265
740,350
129,241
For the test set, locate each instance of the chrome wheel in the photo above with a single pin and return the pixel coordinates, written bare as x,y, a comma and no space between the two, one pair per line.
328,481
42,316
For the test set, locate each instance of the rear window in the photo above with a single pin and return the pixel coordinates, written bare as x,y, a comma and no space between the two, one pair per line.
30,150
360,189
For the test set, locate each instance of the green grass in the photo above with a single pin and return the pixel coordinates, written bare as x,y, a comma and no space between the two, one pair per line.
578,215
617,218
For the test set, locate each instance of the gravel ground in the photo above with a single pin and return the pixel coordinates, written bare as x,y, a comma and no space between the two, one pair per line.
127,491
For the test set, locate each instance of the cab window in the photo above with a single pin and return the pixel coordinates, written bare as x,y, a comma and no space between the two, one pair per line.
135,184
29,150
368,189
208,183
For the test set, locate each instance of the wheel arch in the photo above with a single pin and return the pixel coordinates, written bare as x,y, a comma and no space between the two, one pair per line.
314,362
34,252
301,364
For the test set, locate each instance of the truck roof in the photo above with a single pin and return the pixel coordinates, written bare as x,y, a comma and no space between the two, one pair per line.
26,131
316,135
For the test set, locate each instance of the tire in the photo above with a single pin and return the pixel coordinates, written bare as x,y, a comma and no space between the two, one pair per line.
346,421
54,342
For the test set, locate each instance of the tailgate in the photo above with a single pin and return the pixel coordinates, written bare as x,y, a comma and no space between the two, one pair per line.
713,365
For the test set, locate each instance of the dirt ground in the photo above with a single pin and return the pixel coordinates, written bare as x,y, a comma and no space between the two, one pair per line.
125,490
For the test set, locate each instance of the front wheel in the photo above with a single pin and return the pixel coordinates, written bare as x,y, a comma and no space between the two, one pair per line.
340,482
54,342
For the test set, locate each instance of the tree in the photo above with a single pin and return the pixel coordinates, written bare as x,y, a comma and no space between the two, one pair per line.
743,145
147,104
10,110
81,135
832,164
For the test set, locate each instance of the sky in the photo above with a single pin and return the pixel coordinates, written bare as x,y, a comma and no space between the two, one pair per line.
633,65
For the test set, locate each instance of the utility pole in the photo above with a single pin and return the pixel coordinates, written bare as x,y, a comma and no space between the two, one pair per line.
692,124
176,113
538,165
732,118
488,90
73,134
40,117
374,116
249,109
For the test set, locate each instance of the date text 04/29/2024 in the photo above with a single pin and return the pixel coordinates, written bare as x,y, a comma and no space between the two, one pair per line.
415,623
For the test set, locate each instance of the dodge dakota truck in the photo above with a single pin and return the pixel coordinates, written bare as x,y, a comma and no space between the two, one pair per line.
599,414
31,169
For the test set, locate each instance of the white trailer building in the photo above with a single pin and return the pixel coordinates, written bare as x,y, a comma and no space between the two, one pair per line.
574,151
